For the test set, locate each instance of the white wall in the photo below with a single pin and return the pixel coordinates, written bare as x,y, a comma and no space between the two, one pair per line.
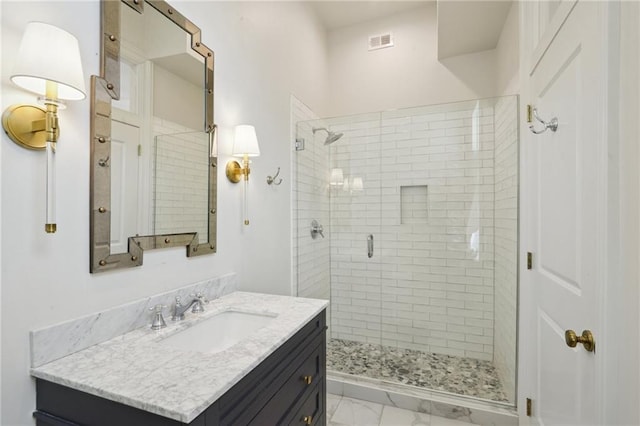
408,74
167,88
507,55
45,278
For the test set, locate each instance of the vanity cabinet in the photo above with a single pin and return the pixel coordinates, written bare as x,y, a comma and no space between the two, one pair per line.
287,388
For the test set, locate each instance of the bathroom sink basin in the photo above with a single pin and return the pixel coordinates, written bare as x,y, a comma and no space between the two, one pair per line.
219,332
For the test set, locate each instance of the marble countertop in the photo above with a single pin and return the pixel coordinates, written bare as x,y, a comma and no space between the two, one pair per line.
135,370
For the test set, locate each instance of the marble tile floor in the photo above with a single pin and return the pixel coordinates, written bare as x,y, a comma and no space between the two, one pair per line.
344,411
463,376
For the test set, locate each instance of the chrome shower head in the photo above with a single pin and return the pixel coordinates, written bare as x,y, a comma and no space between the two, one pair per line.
331,136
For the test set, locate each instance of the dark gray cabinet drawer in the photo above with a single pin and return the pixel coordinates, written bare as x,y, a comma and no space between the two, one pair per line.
311,411
303,380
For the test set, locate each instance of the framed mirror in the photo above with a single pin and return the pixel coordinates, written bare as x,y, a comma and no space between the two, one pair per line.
153,145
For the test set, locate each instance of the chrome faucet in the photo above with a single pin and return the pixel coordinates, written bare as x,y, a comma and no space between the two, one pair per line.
196,305
158,320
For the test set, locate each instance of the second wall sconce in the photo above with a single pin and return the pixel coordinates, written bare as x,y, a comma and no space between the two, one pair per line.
245,145
49,65
337,177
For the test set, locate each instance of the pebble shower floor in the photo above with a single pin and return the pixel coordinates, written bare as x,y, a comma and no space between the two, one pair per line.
462,376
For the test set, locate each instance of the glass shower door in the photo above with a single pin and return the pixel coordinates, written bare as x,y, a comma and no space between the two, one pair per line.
449,223
356,298
419,259
312,262
338,185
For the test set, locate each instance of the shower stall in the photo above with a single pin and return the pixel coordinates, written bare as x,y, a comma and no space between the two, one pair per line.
418,254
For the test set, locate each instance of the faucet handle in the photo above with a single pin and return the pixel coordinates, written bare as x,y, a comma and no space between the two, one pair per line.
176,314
199,306
200,297
158,320
158,308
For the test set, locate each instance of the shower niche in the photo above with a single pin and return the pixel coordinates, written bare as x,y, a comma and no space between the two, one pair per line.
414,207
435,307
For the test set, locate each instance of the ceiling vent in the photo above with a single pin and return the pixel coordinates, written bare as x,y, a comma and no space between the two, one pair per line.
380,41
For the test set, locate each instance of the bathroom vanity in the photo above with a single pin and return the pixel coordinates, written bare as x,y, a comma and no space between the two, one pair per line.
136,379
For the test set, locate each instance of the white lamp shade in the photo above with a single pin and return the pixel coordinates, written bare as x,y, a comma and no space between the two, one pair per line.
357,184
337,177
245,142
48,53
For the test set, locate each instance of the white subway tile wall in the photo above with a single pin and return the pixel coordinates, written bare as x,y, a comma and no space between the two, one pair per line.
506,241
413,204
356,279
180,171
429,285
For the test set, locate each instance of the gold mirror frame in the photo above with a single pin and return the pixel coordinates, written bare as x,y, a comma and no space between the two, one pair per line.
106,87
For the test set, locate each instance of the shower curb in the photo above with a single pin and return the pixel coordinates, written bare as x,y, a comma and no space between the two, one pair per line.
424,401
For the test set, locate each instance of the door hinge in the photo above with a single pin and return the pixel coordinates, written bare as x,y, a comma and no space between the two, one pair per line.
529,114
139,150
529,260
529,410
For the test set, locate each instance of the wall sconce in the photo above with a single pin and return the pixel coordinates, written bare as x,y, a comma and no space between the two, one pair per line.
337,177
245,145
357,184
48,64
351,185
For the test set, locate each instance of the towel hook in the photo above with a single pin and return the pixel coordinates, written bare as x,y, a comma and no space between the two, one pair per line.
271,180
104,162
551,125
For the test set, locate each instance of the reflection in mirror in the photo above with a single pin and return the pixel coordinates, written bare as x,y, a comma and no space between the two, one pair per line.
180,184
159,184
153,165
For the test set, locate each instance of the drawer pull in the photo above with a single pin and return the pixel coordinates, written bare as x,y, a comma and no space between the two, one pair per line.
307,420
307,379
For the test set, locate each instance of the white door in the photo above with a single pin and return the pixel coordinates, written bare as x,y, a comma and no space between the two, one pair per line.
564,219
124,184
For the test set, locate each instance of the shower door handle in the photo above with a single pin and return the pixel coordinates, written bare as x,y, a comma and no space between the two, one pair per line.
316,229
370,245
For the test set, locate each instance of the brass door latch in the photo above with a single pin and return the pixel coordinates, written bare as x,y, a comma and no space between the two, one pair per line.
586,339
